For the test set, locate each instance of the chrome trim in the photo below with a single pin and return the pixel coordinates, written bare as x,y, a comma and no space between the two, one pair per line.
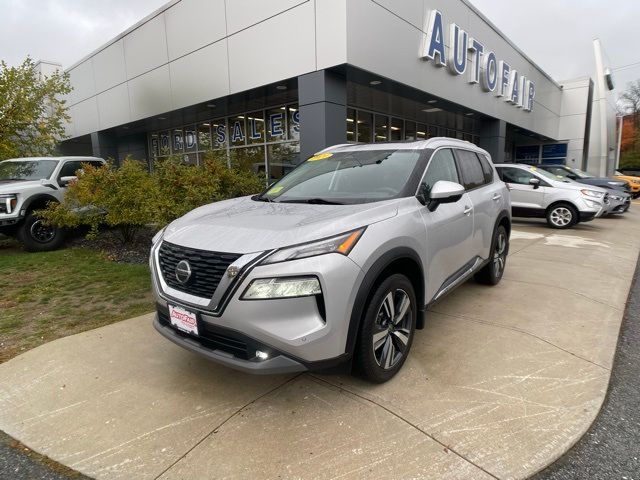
463,277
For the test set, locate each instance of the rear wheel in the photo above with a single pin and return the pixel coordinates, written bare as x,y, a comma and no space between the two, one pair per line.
492,272
37,236
562,216
387,329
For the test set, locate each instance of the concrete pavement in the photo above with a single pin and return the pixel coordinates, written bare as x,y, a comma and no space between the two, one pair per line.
501,383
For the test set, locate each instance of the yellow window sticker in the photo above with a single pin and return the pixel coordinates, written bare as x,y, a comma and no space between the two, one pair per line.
320,156
275,190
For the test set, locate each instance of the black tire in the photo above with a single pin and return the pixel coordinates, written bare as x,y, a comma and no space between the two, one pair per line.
394,334
562,216
35,236
492,272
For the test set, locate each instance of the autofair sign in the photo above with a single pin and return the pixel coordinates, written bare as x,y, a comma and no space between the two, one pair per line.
468,55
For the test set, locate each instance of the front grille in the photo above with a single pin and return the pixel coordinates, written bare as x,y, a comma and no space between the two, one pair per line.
212,339
207,268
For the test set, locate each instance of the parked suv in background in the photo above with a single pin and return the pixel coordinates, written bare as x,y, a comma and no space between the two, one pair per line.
577,175
29,184
634,182
336,261
538,193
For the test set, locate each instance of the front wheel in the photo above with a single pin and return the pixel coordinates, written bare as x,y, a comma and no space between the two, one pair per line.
562,216
387,329
37,236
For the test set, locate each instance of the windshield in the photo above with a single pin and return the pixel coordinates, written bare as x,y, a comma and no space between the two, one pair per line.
358,176
581,173
27,169
548,174
618,173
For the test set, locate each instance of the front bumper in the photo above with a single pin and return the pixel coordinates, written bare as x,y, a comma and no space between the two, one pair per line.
298,333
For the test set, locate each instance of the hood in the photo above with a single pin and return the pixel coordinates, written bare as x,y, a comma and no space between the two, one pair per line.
245,226
15,186
604,182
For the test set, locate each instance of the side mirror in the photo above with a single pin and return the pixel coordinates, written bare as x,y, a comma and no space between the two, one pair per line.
444,192
65,181
535,182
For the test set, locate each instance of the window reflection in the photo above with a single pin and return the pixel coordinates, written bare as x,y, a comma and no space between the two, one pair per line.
282,159
382,128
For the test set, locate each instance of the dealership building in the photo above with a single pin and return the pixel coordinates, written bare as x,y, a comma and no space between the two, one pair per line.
265,84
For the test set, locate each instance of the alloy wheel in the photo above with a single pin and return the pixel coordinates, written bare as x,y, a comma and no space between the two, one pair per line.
392,329
561,216
500,254
41,232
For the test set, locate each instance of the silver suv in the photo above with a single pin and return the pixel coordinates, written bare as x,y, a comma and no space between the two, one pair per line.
29,184
337,261
539,194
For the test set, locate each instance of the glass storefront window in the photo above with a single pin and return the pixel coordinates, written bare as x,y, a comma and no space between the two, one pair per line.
365,127
219,133
178,140
433,131
276,124
294,122
351,125
250,158
409,130
237,130
204,136
190,139
154,145
421,131
165,144
190,158
282,158
396,129
255,127
382,128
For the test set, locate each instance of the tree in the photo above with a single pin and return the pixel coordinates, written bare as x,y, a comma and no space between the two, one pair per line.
33,111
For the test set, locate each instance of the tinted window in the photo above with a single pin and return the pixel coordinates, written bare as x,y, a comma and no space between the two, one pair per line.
441,167
471,169
69,169
515,175
486,168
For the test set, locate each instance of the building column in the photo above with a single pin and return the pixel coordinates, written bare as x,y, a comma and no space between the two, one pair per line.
323,111
104,145
493,135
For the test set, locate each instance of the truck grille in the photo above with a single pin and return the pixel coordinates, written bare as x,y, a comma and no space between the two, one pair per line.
207,268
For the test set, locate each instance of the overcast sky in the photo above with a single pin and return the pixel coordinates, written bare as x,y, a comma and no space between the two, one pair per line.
556,34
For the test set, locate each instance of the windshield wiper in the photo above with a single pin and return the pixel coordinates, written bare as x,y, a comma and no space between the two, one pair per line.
313,201
260,198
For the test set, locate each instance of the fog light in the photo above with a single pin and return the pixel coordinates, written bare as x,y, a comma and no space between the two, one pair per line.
266,288
262,355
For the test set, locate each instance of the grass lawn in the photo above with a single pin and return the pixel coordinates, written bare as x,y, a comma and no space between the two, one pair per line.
49,295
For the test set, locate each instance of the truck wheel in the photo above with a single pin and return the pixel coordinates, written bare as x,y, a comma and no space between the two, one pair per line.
387,329
492,272
562,216
36,236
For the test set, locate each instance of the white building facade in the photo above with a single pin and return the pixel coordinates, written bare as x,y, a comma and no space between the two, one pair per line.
267,84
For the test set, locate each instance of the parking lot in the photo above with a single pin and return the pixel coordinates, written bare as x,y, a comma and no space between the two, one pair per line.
501,383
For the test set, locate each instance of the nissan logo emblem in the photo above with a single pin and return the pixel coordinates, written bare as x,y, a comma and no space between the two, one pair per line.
183,271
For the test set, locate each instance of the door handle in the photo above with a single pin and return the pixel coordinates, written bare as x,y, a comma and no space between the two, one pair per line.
467,210
496,197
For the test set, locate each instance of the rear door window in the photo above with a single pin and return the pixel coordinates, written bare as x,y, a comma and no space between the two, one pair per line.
471,170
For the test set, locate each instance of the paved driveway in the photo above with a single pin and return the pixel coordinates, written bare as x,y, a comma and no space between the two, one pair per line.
500,383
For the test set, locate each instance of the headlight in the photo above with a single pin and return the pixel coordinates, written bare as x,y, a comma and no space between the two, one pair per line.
8,203
340,244
615,197
265,288
158,236
592,193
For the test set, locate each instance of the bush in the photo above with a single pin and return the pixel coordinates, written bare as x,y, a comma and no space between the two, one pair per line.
130,197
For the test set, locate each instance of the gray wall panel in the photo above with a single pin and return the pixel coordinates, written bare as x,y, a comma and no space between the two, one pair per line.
252,63
211,80
149,94
244,13
191,24
331,43
109,67
81,78
113,107
146,47
85,116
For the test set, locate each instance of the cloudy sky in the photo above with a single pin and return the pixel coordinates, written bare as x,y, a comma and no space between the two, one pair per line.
556,34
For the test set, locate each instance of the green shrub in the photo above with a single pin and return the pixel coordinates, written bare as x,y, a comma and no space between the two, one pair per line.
130,197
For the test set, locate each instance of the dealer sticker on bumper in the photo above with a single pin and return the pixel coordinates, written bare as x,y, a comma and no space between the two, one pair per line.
183,320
